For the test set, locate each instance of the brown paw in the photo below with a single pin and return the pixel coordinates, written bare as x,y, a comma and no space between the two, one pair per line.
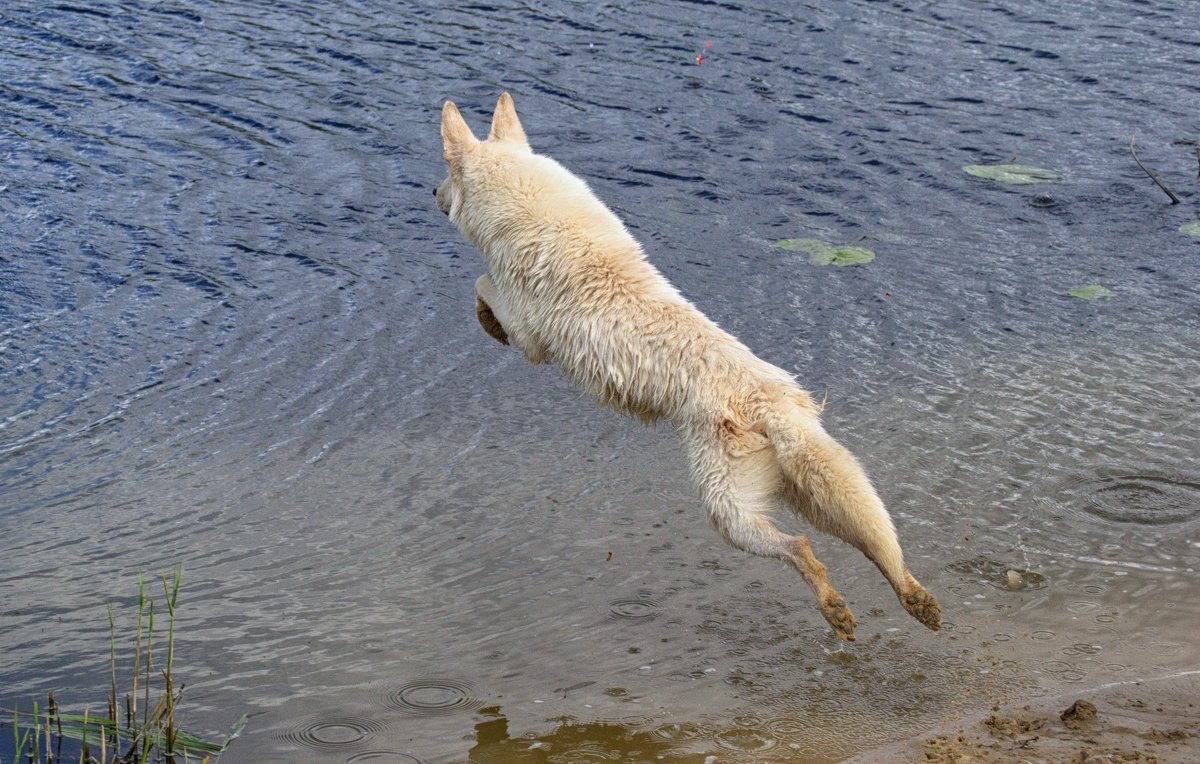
488,321
835,611
921,605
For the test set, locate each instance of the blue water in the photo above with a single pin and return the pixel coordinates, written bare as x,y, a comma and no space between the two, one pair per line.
236,334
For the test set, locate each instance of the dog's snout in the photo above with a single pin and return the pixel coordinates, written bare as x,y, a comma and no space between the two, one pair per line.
441,193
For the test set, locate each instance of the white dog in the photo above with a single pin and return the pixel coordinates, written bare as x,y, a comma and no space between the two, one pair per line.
567,283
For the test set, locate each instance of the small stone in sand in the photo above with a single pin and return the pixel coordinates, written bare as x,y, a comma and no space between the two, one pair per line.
1080,713
1015,580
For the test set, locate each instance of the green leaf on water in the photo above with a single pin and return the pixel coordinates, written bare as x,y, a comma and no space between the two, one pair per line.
1011,173
824,253
1090,292
843,256
798,245
1191,229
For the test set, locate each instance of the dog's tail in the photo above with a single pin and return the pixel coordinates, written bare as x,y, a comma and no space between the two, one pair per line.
826,484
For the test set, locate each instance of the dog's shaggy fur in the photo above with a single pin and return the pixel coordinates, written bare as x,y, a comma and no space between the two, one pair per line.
567,283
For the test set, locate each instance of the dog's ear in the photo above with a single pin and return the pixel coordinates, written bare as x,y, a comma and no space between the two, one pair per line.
456,136
505,125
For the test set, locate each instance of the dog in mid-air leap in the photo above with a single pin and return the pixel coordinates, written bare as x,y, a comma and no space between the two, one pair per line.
567,283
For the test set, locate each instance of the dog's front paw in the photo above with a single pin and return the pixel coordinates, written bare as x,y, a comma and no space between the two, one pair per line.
839,616
488,321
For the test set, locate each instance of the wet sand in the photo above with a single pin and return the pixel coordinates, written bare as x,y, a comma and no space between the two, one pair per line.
1155,721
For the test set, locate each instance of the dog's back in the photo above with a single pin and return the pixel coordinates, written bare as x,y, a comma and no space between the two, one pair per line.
603,312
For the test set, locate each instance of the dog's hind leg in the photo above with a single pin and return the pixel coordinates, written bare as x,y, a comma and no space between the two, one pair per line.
828,487
739,491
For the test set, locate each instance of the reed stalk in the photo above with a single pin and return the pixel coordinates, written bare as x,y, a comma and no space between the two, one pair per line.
155,738
1153,177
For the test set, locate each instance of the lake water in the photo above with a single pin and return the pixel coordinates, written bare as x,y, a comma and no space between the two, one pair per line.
236,335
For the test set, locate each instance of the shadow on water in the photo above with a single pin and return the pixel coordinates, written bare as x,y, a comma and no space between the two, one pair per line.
568,739
573,741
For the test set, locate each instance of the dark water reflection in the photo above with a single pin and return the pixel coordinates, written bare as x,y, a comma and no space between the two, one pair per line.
234,332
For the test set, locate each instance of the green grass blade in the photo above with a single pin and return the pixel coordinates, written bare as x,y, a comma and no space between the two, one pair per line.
154,737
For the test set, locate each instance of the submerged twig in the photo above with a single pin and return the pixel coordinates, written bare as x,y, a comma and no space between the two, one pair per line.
1153,177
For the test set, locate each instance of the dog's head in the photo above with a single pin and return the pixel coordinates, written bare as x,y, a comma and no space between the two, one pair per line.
475,165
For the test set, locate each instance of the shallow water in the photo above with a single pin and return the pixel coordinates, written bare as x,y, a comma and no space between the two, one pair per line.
235,333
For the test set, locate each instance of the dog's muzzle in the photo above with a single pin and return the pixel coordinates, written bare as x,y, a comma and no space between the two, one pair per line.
442,192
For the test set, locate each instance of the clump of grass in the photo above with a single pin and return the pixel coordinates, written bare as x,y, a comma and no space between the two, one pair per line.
129,735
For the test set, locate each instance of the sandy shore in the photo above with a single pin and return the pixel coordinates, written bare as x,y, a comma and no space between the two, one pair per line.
1151,722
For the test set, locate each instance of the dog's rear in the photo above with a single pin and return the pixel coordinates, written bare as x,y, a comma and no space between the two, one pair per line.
567,283
766,449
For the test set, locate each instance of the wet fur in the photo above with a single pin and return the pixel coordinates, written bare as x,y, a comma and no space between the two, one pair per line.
568,284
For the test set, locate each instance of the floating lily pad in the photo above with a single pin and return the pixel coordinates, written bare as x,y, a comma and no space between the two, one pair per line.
824,253
1191,229
1090,292
1011,173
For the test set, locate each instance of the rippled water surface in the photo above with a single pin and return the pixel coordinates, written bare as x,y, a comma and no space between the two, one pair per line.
236,334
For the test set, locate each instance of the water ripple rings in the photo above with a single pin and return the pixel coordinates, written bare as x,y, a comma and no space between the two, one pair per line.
434,696
1143,499
383,757
633,609
331,734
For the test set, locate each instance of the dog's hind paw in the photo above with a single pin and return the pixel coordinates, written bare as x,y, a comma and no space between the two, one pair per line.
921,605
835,611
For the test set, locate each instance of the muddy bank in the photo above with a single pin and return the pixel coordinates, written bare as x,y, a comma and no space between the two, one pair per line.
1154,721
